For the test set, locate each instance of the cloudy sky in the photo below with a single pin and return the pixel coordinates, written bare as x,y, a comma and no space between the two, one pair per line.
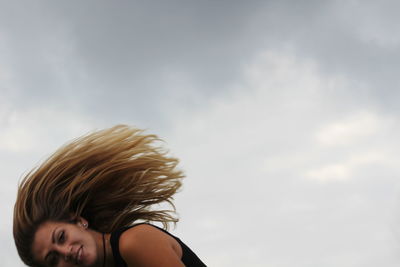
285,115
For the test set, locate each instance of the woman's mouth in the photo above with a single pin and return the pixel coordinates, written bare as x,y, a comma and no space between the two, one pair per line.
78,257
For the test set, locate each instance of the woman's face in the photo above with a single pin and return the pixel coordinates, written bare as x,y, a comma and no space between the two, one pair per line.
64,244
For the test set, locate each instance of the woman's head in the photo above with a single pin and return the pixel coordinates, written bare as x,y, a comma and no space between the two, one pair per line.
30,213
64,244
111,177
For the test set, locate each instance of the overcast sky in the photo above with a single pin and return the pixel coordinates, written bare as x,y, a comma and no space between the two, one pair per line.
285,115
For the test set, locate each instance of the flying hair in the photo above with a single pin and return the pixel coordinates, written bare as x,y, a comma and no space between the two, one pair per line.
112,177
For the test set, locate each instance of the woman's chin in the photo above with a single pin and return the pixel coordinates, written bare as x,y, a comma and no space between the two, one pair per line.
86,259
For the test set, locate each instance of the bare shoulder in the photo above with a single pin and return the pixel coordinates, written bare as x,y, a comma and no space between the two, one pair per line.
146,245
142,234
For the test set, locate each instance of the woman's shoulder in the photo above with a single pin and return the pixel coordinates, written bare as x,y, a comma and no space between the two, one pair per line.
146,244
140,235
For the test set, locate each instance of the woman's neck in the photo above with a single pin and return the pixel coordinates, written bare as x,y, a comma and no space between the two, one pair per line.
109,258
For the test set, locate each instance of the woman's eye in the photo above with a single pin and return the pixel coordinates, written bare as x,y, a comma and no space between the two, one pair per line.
61,237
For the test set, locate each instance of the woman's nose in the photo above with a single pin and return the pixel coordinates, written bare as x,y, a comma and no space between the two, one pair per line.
66,252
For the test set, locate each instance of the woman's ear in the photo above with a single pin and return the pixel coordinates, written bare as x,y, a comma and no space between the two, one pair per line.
82,222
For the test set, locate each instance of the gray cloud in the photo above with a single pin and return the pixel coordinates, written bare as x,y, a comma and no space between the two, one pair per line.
79,53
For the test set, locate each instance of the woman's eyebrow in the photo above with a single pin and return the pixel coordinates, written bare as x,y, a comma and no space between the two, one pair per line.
53,238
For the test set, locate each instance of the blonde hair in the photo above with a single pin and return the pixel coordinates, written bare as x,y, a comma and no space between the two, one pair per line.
111,177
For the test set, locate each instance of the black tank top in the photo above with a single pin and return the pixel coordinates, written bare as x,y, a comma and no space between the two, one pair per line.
188,257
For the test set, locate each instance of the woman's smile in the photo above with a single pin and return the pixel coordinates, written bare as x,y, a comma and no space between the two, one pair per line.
65,244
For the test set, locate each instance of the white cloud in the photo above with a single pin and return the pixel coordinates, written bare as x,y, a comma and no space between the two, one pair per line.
16,139
352,129
277,154
41,128
249,152
351,165
329,173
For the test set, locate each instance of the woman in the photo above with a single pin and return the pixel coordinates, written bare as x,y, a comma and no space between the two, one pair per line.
89,204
